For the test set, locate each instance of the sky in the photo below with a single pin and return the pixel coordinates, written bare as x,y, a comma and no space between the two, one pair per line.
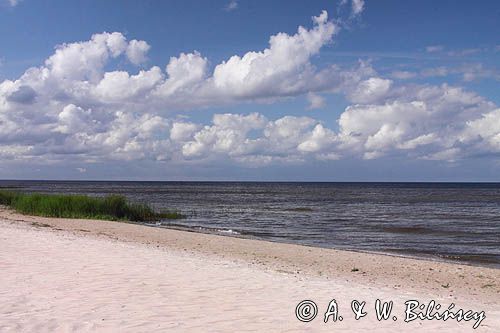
348,90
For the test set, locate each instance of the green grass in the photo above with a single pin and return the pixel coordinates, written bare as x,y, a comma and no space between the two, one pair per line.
113,207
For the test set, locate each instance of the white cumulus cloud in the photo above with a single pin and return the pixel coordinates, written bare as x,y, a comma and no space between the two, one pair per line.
75,107
137,51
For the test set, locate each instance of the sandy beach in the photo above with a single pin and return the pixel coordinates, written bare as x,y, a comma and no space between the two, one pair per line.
85,275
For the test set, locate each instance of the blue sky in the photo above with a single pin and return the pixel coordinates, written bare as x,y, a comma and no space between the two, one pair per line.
190,90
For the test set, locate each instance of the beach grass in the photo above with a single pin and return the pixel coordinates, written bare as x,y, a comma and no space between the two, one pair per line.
112,207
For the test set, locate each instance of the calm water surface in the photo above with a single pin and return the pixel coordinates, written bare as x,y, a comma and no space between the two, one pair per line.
459,222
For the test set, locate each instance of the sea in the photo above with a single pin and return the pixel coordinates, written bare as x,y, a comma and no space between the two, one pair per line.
457,222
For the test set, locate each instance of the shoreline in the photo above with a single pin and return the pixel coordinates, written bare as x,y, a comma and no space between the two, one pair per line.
440,278
239,235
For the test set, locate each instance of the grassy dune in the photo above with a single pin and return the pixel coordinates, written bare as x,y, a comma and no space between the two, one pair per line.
113,207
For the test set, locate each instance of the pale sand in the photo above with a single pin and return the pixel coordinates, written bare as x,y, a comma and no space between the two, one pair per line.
81,275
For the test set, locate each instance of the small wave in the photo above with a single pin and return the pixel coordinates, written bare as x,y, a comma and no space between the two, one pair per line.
407,230
299,209
228,231
196,228
420,230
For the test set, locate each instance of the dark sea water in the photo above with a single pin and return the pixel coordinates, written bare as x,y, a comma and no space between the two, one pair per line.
458,222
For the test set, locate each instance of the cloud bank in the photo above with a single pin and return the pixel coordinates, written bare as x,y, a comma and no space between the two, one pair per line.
74,107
